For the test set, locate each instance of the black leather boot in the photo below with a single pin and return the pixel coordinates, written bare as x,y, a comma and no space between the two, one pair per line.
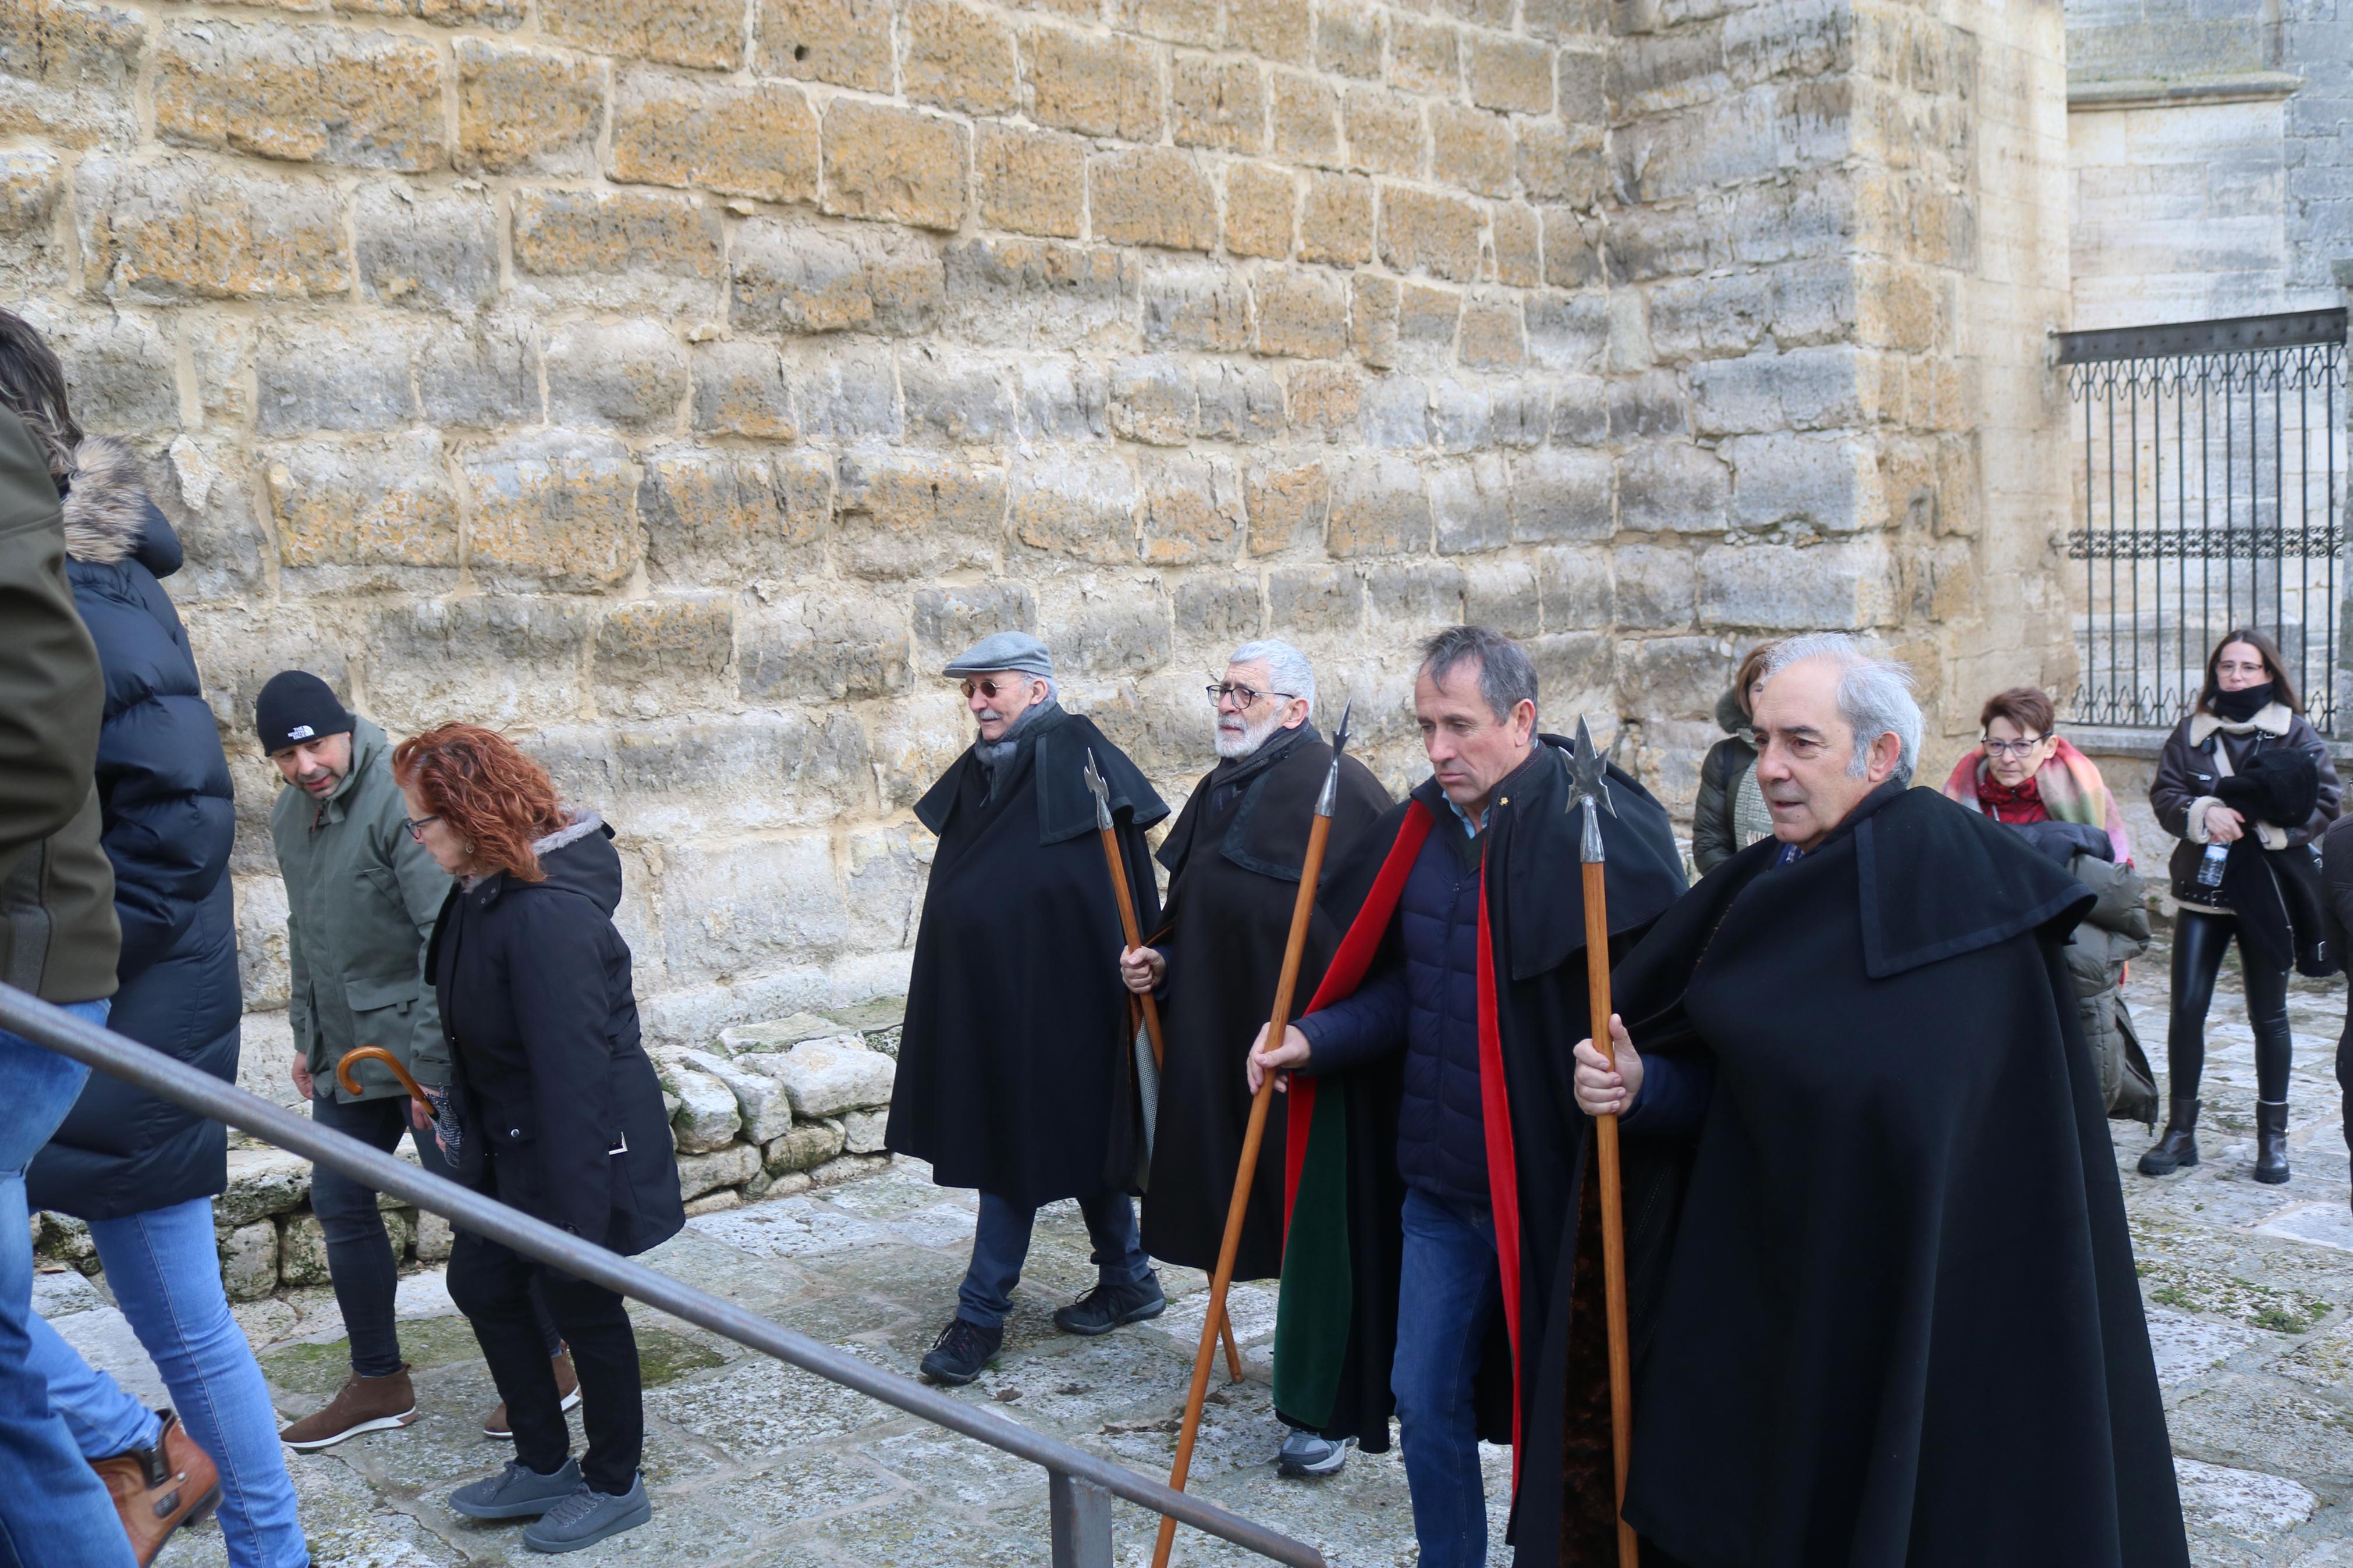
2179,1148
2271,1141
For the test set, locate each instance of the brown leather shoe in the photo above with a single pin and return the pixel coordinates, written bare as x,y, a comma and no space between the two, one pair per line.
567,1385
363,1405
158,1490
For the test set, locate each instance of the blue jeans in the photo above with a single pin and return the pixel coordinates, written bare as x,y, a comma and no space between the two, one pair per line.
54,1510
1450,1290
1000,1244
165,1270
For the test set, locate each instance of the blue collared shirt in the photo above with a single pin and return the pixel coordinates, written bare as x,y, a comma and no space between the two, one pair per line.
1470,829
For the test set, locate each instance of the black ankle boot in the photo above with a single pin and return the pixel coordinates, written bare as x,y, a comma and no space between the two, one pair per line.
2179,1148
2271,1141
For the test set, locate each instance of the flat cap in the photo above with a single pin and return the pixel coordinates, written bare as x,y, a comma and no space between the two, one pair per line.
1006,650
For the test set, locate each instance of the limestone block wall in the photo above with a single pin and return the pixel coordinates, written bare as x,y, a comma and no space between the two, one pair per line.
676,382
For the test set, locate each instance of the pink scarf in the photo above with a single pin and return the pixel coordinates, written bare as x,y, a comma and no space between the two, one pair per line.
2071,787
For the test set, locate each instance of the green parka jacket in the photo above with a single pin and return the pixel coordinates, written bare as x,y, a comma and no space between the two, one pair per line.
361,900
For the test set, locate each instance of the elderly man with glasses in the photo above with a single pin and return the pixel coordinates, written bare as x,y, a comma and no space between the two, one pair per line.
1233,862
1016,1065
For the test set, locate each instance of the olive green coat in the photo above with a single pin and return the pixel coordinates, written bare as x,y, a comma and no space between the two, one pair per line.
361,900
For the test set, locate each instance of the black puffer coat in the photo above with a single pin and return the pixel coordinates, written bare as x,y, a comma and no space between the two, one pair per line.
164,789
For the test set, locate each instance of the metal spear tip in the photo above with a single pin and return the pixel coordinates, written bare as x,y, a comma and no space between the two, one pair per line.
1102,793
1588,771
1329,801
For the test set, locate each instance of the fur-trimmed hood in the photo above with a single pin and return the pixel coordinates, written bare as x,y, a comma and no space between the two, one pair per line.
110,517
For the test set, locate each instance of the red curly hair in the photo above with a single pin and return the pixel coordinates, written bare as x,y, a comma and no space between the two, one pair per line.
489,794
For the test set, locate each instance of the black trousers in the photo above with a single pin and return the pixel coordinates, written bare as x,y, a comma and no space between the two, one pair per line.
2200,940
492,1285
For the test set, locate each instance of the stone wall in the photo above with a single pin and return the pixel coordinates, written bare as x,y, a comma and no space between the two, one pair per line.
676,382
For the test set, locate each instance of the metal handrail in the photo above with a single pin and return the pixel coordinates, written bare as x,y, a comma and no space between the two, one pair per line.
1077,1481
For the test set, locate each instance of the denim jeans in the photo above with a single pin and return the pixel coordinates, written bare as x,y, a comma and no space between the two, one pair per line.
1000,1244
54,1510
165,1270
1448,1295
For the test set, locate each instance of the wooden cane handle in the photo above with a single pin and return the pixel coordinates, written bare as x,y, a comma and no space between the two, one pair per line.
378,1054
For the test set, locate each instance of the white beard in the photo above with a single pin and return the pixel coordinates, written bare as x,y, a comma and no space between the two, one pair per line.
1234,745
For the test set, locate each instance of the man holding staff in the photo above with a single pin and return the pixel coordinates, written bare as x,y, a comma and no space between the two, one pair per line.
1233,860
1443,1250
1015,1067
1897,1322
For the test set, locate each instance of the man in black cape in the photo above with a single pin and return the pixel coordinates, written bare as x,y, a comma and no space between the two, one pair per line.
1898,1322
1440,1218
1233,859
1015,1067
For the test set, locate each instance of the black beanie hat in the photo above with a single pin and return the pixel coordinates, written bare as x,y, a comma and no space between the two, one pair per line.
297,706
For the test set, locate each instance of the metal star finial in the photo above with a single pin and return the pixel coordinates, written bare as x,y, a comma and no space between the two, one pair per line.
1101,792
1589,786
1329,801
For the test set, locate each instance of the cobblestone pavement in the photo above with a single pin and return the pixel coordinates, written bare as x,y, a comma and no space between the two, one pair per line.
749,1462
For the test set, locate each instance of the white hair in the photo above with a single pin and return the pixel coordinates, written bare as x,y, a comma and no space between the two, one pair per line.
1875,697
1285,666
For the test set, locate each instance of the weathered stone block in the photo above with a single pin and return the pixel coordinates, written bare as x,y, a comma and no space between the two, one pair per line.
305,94
1223,608
1098,85
1373,320
498,657
957,56
1287,503
1396,414
823,648
1472,505
1152,195
827,1078
1519,256
479,376
629,374
1567,331
439,251
809,1145
1385,135
949,620
553,507
1515,74
895,164
850,393
261,1182
1803,389
1472,148
1348,40
732,1166
1034,182
568,232
180,229
1561,162
1151,400
1427,230
1192,512
334,374
1674,677
1302,314
302,1251
1573,670
1844,586
435,1237
655,655
739,390
846,42
1673,487
1576,587
1078,505
1558,495
1303,117
1108,634
1502,594
847,1168
1492,334
1305,600
955,396
1426,320
524,110
1192,305
1259,202
760,1101
1237,403
1275,30
706,34
1216,103
1657,588
742,139
751,907
73,67
917,514
1786,479
863,1131
497,15
249,1260
802,278
1379,508
1326,401
1058,400
386,504
721,1201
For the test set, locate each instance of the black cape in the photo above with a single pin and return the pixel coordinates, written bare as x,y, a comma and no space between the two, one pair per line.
1899,1326
1544,1380
1014,1069
1233,859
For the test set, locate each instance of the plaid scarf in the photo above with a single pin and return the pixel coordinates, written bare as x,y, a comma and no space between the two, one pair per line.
2069,784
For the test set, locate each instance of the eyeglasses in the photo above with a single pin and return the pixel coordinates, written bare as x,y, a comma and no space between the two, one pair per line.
2011,748
991,687
417,824
1242,696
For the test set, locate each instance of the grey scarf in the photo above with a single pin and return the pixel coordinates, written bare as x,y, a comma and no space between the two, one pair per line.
994,753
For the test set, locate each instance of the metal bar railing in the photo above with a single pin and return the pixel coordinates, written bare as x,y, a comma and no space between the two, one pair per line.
1080,1484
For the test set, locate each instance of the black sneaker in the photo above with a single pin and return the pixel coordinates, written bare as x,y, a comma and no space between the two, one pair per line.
961,1351
1107,1305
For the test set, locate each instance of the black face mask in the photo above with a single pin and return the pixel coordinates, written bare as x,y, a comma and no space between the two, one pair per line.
2239,706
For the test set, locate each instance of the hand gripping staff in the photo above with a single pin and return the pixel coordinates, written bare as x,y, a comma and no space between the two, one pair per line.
1117,860
1319,835
1589,789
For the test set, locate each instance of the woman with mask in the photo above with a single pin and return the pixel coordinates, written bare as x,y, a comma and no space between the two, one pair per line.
2247,785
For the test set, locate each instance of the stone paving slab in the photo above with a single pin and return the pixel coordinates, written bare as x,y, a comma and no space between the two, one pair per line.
2249,1292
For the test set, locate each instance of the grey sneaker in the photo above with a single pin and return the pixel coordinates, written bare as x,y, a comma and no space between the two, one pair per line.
1305,1454
516,1492
587,1517
1110,1305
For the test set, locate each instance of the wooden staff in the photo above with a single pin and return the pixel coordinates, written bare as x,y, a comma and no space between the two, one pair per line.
1589,789
1302,909
1115,859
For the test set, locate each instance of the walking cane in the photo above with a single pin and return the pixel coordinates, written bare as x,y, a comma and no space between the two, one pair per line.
1590,789
444,1127
1302,910
1117,860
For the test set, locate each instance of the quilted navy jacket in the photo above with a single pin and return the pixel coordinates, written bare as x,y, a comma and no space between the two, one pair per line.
164,789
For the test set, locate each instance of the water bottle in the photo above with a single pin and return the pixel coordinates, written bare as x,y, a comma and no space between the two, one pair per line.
2210,868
